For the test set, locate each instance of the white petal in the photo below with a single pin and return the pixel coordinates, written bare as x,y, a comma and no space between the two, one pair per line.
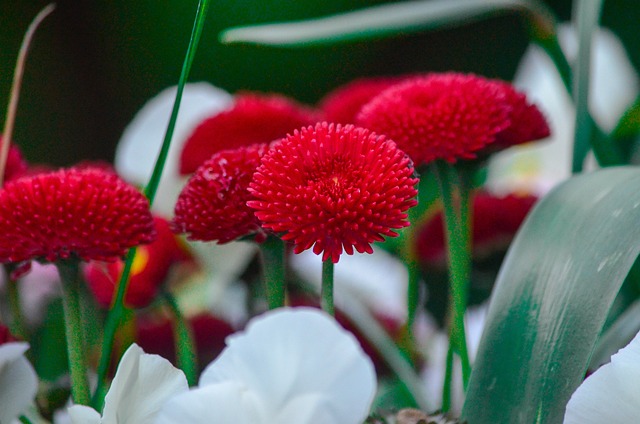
140,143
142,384
18,381
612,393
80,414
293,353
223,403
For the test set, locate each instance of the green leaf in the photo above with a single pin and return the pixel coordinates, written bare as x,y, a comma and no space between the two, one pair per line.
552,297
388,19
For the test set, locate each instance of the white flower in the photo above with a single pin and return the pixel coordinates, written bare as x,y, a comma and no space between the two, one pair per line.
139,146
18,381
290,366
612,393
142,384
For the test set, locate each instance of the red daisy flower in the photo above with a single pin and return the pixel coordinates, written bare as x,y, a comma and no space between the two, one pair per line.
150,270
343,104
451,116
495,222
527,122
87,213
213,204
254,118
334,187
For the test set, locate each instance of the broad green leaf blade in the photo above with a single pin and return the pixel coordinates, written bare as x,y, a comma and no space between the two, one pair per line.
388,19
552,296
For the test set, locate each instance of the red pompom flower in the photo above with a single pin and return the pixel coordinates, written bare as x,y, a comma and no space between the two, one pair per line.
343,104
254,118
86,213
334,188
453,116
213,204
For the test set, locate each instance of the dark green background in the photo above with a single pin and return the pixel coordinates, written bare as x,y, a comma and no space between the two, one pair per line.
94,64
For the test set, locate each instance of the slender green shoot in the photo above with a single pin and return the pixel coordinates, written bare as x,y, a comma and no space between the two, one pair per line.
115,314
185,345
12,108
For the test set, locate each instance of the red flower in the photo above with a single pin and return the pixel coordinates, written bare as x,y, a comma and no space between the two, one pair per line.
88,213
343,104
452,116
334,187
527,122
254,118
213,204
150,270
495,222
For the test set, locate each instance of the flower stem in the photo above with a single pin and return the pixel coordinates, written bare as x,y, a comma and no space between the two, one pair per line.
459,258
327,287
185,346
17,318
74,332
272,253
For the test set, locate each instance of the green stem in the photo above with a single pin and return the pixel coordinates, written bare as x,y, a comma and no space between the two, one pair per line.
185,346
17,318
448,377
113,319
110,328
272,253
327,287
74,332
459,259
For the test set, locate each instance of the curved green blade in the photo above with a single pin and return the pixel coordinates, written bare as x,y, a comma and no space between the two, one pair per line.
552,296
388,19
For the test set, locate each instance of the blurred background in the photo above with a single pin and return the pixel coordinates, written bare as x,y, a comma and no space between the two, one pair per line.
94,64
